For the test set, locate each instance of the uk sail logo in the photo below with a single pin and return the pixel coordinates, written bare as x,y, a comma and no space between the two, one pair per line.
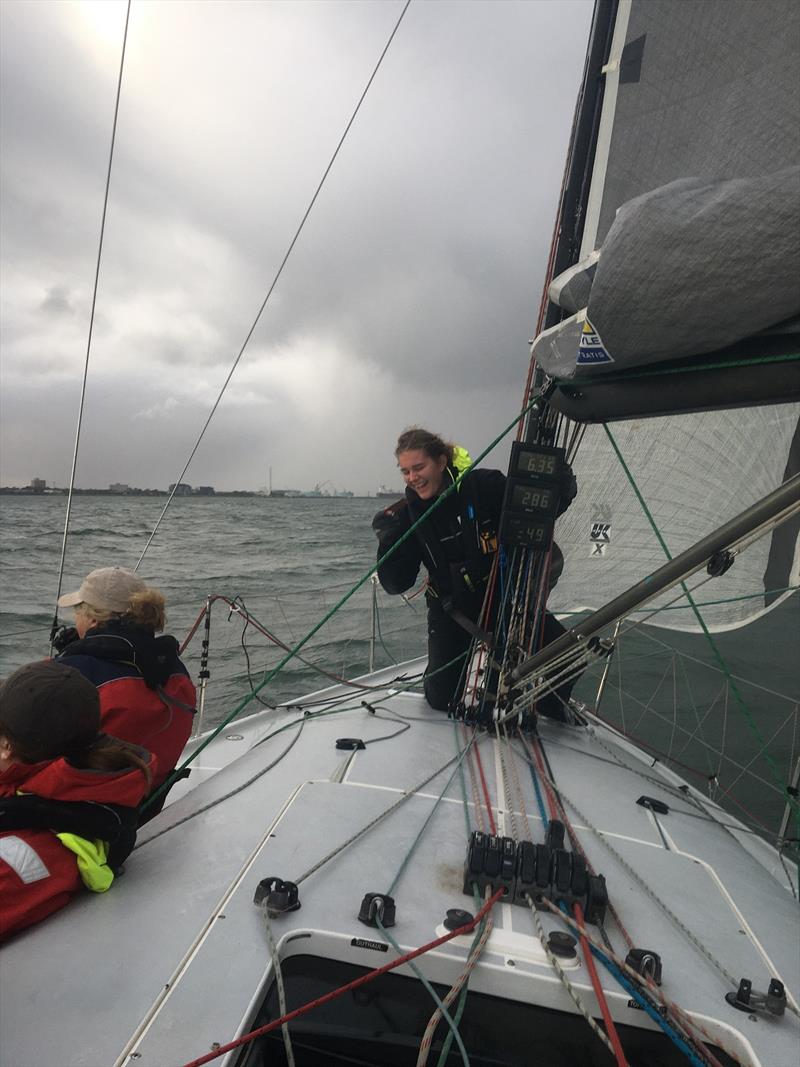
591,350
599,538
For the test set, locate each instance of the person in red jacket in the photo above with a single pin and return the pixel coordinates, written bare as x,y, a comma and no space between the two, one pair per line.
146,694
60,780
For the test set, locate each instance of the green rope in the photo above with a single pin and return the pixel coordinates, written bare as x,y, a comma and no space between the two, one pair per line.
656,372
415,844
699,603
739,699
366,577
436,999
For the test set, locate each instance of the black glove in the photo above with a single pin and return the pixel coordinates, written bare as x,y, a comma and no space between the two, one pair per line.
390,522
64,636
569,489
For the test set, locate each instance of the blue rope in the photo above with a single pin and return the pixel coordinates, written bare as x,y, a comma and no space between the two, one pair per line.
632,991
539,797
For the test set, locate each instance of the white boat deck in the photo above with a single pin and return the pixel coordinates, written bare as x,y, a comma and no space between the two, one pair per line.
174,960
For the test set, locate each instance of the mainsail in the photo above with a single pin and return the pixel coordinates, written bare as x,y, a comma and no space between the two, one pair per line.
677,291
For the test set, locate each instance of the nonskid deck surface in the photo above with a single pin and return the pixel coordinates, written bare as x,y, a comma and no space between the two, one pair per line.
175,958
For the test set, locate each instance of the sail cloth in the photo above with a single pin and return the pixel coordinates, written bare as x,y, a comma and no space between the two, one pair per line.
687,239
695,472
686,269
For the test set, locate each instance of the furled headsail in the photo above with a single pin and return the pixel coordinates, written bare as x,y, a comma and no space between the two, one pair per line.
674,304
677,270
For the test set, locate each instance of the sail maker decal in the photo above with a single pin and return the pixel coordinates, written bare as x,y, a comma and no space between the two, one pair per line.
599,538
591,349
374,946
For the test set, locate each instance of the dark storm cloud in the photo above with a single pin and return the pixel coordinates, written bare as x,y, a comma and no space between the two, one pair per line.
57,302
413,289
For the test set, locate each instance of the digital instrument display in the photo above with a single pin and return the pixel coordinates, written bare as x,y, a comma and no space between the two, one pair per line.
532,497
531,533
533,460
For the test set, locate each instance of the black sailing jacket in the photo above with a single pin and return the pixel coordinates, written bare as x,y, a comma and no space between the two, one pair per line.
456,543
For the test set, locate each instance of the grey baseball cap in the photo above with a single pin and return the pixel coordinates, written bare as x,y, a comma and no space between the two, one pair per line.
108,588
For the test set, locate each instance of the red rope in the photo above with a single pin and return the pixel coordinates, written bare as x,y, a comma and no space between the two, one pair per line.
487,802
335,993
611,1029
555,809
612,911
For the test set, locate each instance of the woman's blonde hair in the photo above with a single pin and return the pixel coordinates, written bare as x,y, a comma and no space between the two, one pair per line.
146,609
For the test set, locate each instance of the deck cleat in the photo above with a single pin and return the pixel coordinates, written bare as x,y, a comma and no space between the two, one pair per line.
377,907
276,896
646,963
456,918
562,944
533,872
491,863
748,999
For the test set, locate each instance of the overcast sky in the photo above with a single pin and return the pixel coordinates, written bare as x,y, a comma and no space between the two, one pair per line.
409,298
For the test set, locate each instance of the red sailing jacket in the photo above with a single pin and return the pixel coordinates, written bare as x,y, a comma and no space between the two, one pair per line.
146,694
38,874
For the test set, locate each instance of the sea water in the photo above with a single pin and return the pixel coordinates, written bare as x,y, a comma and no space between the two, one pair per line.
289,562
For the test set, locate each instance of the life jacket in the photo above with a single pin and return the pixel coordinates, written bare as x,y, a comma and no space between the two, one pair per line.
146,694
42,868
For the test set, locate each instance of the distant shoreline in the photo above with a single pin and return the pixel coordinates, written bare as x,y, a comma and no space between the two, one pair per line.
27,491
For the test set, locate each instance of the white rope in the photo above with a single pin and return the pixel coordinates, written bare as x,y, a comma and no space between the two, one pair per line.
276,964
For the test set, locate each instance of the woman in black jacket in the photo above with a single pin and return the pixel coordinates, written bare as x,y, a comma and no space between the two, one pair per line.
457,544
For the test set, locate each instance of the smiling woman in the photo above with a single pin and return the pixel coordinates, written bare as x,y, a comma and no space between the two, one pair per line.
456,540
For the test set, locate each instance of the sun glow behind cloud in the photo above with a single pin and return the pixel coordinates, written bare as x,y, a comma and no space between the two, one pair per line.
409,297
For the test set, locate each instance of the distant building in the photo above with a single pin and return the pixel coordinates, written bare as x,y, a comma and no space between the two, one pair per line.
181,489
38,485
118,487
204,490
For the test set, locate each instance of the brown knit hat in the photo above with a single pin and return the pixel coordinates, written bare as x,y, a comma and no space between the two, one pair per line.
48,710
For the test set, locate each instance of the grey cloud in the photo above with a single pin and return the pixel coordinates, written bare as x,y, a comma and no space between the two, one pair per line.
419,268
57,302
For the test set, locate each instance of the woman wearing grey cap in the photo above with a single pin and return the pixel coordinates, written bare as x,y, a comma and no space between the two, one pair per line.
146,694
68,794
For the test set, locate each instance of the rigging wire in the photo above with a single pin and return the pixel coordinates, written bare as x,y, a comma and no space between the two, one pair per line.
277,276
652,988
740,701
91,326
362,581
632,873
